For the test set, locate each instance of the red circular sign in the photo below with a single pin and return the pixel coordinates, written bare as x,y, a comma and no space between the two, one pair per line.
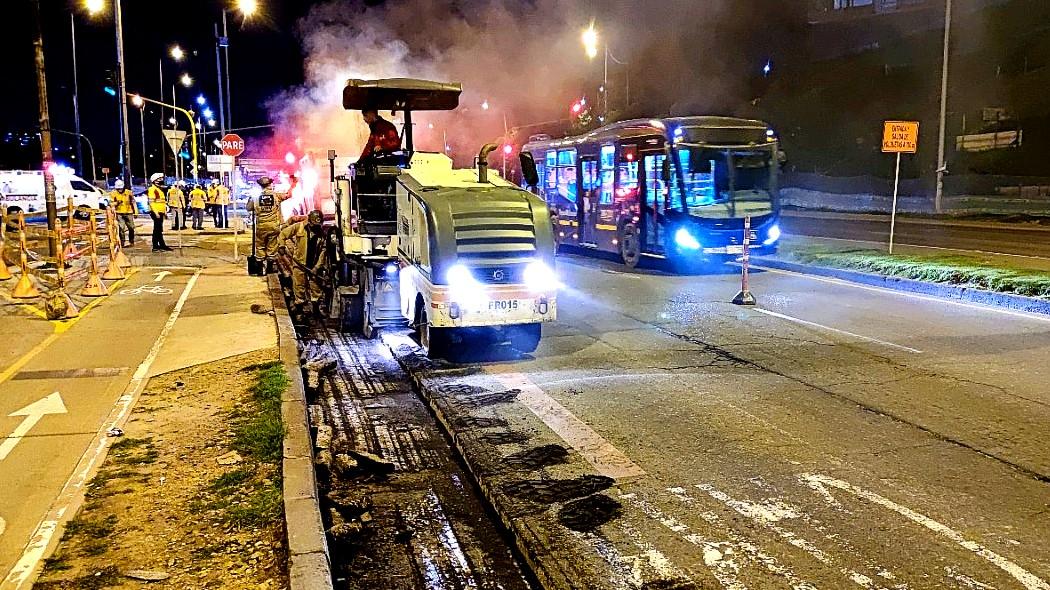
232,144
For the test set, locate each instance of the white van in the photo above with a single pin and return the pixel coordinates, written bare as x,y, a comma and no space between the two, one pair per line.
23,190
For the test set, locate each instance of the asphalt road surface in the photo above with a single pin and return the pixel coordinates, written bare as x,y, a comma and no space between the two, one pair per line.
834,436
1016,239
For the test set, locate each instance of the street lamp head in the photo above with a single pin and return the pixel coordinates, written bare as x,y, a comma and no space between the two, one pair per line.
247,7
186,80
201,100
211,122
95,6
590,41
177,53
207,112
172,121
137,101
485,105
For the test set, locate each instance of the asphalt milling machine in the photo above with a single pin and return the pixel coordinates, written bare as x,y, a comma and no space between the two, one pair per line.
463,256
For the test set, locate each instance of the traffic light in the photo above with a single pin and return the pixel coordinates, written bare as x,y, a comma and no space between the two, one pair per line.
110,85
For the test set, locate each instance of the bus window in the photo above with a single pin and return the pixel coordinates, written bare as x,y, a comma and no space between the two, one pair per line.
699,180
655,187
608,166
590,174
551,162
566,186
627,183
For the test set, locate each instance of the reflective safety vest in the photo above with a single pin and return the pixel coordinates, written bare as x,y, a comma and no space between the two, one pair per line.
176,198
212,195
223,195
197,198
123,201
158,201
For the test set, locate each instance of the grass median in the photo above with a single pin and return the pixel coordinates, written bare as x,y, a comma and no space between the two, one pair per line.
945,269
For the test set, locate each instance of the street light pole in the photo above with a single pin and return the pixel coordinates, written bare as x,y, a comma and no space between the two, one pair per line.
45,134
142,130
218,72
941,164
125,146
91,150
229,101
193,127
76,99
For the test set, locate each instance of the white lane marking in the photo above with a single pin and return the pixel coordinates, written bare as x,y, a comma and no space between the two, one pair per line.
3,526
712,550
885,291
623,569
768,515
1026,578
33,413
651,568
607,459
40,543
965,580
835,330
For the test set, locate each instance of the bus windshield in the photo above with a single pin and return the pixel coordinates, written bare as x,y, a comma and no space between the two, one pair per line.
722,183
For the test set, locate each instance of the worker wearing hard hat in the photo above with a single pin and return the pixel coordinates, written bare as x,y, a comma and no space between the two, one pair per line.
177,205
198,198
213,203
222,202
124,207
267,211
158,209
305,242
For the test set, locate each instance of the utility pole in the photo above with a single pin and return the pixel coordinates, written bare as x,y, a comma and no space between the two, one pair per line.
122,95
76,100
45,135
219,42
941,164
229,101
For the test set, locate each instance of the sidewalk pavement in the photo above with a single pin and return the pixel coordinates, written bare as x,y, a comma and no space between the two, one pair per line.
64,384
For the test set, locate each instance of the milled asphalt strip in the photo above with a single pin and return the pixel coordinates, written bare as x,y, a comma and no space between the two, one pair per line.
71,496
309,564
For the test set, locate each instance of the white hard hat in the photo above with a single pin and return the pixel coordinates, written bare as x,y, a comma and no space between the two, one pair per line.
155,178
119,185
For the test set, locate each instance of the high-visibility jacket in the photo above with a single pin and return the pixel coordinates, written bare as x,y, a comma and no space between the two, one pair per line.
176,198
213,195
223,195
197,197
123,201
307,247
158,201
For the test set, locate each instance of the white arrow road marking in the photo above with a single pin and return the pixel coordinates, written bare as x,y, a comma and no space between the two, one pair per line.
51,404
1026,578
160,276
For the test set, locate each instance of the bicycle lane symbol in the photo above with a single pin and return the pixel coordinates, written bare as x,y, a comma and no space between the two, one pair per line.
147,289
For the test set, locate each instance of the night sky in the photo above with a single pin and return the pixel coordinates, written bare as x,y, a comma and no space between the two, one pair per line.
264,56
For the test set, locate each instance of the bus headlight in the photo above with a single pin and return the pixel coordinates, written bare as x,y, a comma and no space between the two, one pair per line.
463,287
772,236
685,240
540,277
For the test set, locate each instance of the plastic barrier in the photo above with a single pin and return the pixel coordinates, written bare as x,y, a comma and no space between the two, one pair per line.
24,289
94,287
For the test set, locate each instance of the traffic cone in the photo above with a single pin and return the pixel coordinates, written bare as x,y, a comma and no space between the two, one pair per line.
94,287
24,289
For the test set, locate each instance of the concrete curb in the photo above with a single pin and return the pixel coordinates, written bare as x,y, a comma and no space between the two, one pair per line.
951,292
309,565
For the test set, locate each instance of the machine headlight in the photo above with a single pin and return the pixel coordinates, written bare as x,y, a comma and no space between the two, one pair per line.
463,287
772,236
391,269
685,240
540,277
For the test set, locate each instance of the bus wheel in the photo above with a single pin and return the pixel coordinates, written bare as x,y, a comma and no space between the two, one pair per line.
525,337
630,246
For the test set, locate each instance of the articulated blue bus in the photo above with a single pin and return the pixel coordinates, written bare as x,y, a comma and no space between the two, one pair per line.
676,188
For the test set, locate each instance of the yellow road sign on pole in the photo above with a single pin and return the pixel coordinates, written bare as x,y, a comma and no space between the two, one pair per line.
900,137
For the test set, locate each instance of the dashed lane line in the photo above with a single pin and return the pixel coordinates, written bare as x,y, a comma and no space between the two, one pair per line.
19,576
1026,578
835,330
600,453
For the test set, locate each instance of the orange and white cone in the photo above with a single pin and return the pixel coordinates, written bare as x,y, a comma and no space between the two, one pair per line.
94,287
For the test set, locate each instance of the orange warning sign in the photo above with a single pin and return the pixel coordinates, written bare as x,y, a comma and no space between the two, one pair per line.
900,137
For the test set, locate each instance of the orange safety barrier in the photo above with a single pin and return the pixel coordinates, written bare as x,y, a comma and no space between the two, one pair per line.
94,287
57,304
24,289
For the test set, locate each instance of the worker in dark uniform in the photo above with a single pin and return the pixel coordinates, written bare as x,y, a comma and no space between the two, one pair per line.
267,211
305,242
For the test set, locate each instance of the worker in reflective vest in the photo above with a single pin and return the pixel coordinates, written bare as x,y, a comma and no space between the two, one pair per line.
177,204
222,202
267,211
124,206
158,209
